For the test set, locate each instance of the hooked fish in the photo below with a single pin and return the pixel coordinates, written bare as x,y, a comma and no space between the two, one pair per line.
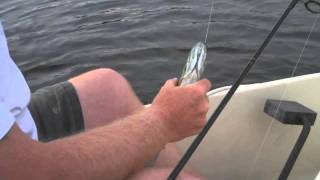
195,65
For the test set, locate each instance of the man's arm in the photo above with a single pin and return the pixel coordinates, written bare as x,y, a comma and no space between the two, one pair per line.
20,156
113,151
110,152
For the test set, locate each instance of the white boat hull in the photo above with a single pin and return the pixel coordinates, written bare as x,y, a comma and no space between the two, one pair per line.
229,150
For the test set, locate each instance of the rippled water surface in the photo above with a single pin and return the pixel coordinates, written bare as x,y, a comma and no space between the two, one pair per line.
148,41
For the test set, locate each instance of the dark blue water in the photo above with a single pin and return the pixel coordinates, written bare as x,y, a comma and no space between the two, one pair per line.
148,40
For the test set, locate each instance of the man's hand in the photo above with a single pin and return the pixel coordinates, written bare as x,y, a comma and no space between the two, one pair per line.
182,109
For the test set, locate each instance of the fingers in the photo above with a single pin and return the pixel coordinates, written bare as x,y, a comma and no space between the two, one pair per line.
204,85
171,82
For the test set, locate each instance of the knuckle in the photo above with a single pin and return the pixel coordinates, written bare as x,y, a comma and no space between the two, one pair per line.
201,123
165,87
203,108
206,107
196,92
168,81
208,83
199,91
203,117
190,91
204,85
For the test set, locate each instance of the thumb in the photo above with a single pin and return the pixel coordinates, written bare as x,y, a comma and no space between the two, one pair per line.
171,82
204,84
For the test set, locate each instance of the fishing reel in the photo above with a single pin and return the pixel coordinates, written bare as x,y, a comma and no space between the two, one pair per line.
312,6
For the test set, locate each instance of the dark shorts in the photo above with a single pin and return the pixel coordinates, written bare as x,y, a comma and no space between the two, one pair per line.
56,111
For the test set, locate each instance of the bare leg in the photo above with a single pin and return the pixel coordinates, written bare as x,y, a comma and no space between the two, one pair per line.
161,174
170,156
104,96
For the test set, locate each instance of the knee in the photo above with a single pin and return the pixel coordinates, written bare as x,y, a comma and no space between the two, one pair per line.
102,77
107,75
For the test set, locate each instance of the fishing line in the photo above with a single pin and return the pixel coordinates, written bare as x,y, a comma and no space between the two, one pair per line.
209,22
282,97
195,65
194,145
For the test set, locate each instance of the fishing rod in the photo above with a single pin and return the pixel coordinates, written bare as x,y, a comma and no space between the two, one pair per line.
185,158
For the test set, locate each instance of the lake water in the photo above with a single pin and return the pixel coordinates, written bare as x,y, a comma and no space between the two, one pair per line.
148,41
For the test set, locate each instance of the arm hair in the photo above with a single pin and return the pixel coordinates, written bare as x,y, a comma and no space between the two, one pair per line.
110,152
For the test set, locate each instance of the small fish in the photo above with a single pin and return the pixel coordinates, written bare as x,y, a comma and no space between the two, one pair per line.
195,65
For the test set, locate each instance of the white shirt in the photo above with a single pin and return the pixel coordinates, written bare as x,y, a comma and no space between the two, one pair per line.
318,177
14,95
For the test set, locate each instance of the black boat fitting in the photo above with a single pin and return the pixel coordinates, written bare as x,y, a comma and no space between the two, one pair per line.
292,113
312,6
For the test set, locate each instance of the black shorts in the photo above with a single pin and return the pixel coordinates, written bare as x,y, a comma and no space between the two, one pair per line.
56,111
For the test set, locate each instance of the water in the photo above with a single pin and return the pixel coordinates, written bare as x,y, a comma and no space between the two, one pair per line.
148,41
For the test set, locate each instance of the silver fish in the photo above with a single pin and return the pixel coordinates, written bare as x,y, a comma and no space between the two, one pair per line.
195,65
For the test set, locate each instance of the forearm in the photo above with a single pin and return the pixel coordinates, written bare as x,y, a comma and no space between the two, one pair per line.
113,151
110,152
